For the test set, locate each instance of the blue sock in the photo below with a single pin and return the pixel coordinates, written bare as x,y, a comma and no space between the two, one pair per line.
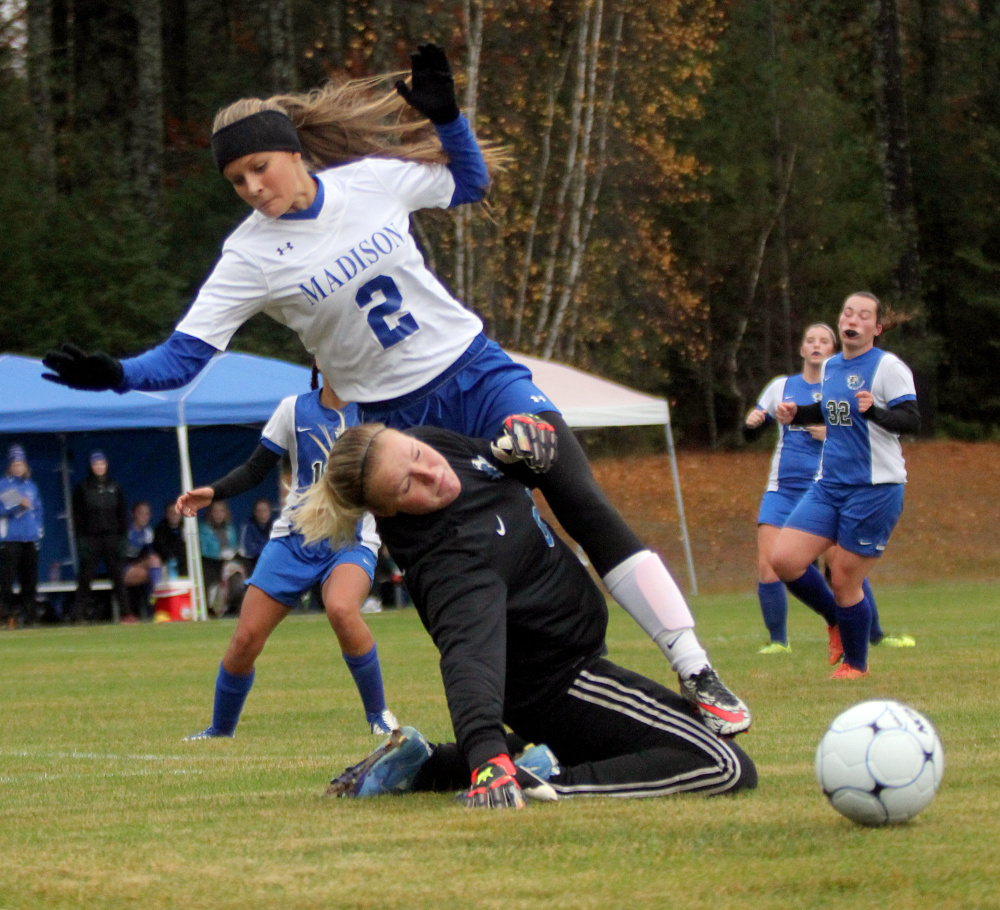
855,624
774,609
876,634
230,693
811,588
367,675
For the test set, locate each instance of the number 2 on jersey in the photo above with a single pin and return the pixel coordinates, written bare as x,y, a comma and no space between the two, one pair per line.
839,413
378,316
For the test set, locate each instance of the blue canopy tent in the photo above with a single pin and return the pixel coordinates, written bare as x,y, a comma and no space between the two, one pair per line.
157,443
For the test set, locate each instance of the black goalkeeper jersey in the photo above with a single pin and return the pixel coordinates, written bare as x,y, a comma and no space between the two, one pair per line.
511,610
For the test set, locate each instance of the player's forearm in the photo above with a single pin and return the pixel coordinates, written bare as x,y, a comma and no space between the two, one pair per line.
901,418
248,475
465,161
167,366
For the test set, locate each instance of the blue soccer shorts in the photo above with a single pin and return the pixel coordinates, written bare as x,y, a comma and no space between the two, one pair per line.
472,397
288,568
859,518
777,505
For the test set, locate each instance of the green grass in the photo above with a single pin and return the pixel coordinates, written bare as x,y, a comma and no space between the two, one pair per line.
102,806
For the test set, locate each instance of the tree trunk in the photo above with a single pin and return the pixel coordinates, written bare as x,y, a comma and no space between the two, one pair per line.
894,142
784,280
556,254
575,243
148,137
40,91
555,84
732,357
281,43
465,260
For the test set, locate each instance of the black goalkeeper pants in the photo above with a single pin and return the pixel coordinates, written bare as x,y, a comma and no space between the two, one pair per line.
581,506
615,733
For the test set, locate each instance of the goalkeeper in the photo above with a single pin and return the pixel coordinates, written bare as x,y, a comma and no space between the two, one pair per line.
520,628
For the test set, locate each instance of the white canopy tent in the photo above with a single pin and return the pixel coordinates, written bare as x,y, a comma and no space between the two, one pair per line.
589,402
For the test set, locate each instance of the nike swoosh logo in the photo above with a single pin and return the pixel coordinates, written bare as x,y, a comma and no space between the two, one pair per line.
501,530
302,429
864,543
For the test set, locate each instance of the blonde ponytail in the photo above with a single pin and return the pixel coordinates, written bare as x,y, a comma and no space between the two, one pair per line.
332,506
346,121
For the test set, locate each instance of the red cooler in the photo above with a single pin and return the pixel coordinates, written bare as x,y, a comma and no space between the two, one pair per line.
173,600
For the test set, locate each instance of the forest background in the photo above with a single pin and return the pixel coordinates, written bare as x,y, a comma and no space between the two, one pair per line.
691,181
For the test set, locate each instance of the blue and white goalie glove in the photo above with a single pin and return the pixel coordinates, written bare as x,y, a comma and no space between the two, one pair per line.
526,438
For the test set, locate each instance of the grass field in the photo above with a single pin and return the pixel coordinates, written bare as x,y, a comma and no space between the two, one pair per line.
102,805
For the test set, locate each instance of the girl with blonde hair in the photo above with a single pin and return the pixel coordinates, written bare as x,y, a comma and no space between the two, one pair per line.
520,627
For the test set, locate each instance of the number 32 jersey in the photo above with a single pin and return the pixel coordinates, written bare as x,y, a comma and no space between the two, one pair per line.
858,451
347,277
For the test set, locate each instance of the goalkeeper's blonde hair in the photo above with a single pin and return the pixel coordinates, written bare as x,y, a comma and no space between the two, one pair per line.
332,506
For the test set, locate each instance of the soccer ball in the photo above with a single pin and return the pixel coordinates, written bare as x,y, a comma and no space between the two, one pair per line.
879,763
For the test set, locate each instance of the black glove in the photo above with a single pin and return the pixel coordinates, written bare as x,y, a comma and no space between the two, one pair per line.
79,370
433,89
526,438
494,786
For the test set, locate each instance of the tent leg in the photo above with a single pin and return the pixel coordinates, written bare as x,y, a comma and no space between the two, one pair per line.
199,602
680,511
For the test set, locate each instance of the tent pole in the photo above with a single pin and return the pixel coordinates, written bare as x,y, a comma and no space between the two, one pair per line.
680,506
191,542
67,492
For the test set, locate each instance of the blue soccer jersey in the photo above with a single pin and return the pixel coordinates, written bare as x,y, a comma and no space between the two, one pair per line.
857,451
304,429
797,455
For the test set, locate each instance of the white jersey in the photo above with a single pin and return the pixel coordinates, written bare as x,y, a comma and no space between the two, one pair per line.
796,456
858,451
304,429
347,276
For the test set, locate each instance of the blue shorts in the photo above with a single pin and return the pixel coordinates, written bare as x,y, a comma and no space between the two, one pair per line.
472,397
859,518
777,505
287,568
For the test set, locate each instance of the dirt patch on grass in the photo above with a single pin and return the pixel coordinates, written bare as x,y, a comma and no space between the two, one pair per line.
950,528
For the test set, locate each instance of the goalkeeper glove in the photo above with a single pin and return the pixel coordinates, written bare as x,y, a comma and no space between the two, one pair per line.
494,786
526,438
79,370
433,88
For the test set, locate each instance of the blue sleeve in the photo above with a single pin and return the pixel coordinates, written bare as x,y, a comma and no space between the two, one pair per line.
167,366
465,161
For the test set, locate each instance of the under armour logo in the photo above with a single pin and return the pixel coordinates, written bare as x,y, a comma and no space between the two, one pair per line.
281,249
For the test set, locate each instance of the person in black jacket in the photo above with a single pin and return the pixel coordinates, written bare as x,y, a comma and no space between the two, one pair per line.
100,520
520,627
168,539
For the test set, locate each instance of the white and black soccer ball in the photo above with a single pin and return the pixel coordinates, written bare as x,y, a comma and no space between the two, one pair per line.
880,763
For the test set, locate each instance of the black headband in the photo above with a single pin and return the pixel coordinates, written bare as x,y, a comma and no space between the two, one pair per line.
265,131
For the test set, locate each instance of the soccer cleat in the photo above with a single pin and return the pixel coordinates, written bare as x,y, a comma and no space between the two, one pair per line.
383,724
391,768
721,711
775,647
895,641
539,760
536,765
836,647
846,671
207,733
